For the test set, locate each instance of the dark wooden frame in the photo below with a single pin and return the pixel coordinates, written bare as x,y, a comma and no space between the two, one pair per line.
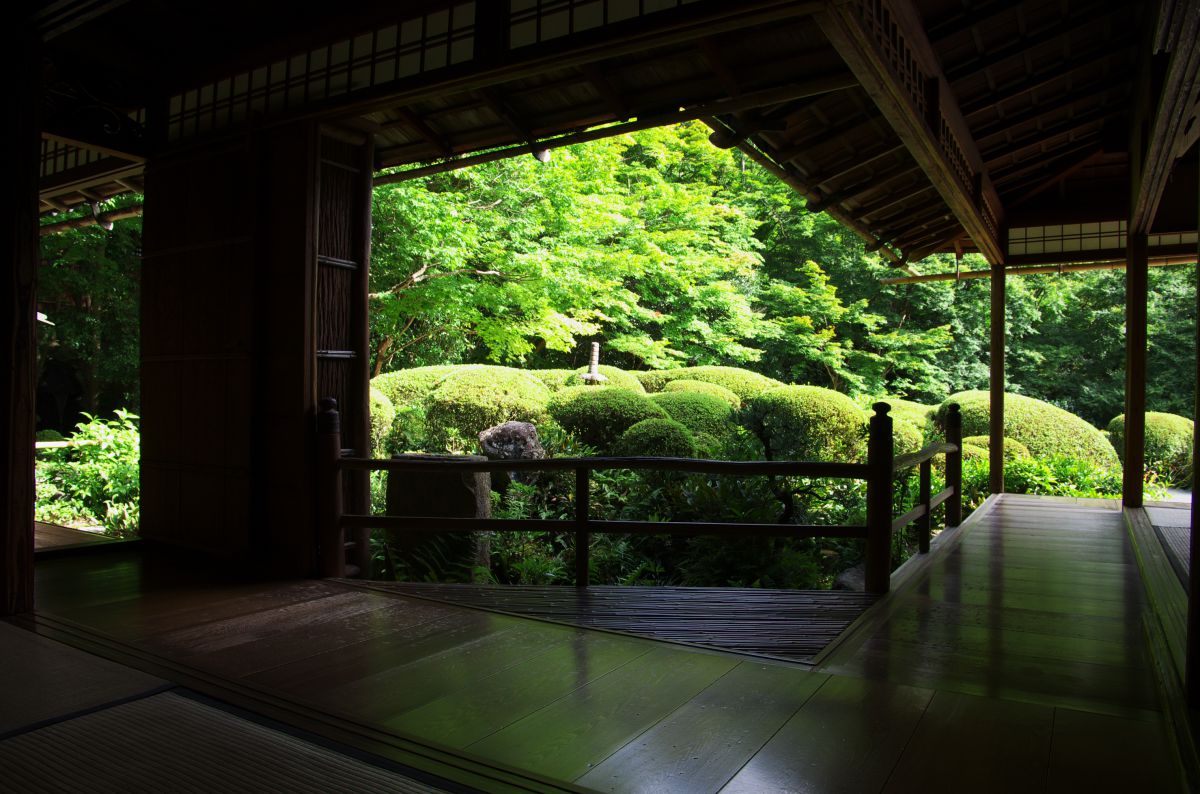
879,471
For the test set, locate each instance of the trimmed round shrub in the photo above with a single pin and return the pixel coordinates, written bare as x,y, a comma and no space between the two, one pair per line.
598,416
700,387
655,380
742,382
807,423
973,452
906,437
1046,430
48,435
383,413
1013,449
910,411
616,377
656,438
700,413
1168,444
411,386
553,379
472,400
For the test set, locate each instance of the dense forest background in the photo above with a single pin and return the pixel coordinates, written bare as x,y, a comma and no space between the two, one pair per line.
670,252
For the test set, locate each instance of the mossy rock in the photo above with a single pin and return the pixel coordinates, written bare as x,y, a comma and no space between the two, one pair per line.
553,379
618,378
598,416
701,387
742,382
1046,430
807,423
656,438
472,400
1168,444
383,413
1013,449
700,413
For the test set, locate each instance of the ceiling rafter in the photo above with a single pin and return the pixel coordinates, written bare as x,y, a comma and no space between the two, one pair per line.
1047,107
1064,171
914,96
1007,154
1043,79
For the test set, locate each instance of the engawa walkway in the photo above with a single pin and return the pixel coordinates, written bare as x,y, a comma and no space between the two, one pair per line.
1010,660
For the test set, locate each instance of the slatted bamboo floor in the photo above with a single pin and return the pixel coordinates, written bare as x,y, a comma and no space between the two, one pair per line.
788,624
1009,659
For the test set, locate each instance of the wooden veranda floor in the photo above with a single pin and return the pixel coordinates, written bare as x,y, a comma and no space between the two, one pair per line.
786,624
1009,659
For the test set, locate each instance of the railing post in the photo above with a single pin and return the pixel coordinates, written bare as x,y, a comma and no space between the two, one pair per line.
582,536
954,465
331,547
925,522
879,501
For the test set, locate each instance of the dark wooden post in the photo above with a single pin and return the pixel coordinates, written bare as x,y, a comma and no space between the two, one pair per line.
880,452
1136,283
330,544
19,142
954,465
996,412
925,522
1192,662
582,536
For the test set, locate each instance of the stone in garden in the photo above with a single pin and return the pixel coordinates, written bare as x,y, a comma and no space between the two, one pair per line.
513,441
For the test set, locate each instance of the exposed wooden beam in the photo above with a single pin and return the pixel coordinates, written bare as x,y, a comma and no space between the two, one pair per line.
418,125
875,181
1039,167
1008,152
915,98
1163,124
861,161
605,88
1046,106
1036,270
967,19
1050,76
82,222
891,201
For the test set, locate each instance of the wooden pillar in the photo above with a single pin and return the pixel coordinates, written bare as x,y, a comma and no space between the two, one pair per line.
1136,276
1192,664
19,149
996,413
880,460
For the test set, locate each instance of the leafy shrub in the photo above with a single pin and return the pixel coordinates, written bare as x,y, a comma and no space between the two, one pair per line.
48,435
408,386
383,414
655,380
553,379
906,437
1046,430
1013,449
1057,475
97,479
472,400
618,378
700,413
913,412
1168,444
742,382
660,438
701,387
598,416
807,423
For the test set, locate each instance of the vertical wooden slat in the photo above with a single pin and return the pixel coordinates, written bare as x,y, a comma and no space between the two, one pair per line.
954,465
925,522
996,412
1192,664
20,148
582,536
1136,278
880,453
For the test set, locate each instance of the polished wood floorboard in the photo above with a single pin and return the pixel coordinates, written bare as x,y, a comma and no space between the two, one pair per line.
52,536
994,667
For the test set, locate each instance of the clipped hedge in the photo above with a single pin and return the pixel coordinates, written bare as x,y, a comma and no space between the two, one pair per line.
598,416
658,438
1013,449
742,382
913,412
617,378
807,423
474,399
655,380
1168,444
700,413
701,387
906,437
553,379
1046,430
383,413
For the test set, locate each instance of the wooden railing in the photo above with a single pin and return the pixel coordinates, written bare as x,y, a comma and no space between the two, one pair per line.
879,471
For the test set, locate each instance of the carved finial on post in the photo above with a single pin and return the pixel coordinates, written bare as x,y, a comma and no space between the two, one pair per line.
954,465
880,451
593,377
328,418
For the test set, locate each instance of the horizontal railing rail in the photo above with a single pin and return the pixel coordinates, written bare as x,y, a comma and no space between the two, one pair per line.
878,472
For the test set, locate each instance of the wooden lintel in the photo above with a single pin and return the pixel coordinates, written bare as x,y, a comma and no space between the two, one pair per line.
948,154
1165,122
125,147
